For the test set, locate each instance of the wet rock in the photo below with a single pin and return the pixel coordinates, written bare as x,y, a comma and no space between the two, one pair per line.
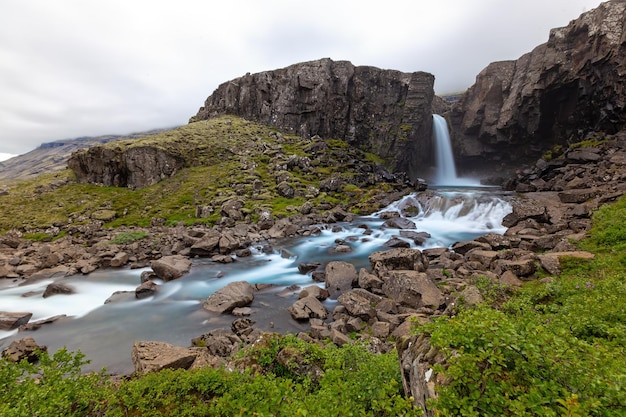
224,300
35,325
13,320
305,268
171,267
57,288
314,291
417,237
397,243
25,348
399,223
146,289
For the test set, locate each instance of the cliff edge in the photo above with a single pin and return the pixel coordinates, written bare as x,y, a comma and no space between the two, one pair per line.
555,95
386,112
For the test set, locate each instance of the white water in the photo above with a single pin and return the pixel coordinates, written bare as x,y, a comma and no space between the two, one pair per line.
445,170
105,332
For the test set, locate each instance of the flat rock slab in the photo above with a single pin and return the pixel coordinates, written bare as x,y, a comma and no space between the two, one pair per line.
224,300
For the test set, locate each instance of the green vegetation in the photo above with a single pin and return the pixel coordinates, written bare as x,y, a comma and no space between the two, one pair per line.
312,381
123,238
226,158
554,348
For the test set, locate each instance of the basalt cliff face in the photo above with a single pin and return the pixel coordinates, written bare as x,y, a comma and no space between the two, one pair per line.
135,167
386,112
554,95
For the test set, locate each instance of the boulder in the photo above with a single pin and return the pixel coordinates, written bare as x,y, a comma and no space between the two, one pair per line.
146,289
13,320
152,356
171,267
58,288
400,258
206,246
25,348
307,308
120,259
224,300
369,281
314,291
412,288
228,243
357,305
340,277
219,342
399,223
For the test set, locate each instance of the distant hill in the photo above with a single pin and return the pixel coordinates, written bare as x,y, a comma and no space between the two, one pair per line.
53,156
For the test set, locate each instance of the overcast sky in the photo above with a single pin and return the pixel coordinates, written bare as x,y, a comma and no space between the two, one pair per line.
71,68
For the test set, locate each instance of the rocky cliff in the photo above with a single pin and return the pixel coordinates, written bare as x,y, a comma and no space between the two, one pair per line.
53,156
386,112
556,94
135,167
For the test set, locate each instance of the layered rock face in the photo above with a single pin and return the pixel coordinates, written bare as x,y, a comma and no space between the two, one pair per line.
556,94
382,111
136,167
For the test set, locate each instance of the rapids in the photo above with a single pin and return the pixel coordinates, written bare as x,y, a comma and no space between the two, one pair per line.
106,332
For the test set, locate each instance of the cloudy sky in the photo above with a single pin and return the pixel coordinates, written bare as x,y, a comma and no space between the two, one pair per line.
71,68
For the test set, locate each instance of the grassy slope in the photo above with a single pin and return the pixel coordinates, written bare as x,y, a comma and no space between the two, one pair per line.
224,156
557,347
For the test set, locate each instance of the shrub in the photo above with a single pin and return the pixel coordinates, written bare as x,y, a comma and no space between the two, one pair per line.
52,387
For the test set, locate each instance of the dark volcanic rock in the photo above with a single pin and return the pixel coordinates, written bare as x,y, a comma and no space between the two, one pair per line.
553,95
133,167
383,111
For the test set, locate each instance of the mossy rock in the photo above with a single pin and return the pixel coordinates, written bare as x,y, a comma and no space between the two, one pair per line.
104,215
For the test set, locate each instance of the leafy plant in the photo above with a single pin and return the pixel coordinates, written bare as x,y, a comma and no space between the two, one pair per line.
54,386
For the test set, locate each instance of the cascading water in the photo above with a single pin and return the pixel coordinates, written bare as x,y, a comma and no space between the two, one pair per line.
106,332
445,170
445,173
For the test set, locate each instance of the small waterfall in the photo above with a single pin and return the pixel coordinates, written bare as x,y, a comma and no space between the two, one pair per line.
445,171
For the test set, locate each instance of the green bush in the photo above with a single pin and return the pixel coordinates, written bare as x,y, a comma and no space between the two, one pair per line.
52,387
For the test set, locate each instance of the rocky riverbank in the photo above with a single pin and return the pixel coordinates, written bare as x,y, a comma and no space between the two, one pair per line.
381,303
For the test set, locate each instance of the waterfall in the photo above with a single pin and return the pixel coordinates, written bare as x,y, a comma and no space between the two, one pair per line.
445,171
